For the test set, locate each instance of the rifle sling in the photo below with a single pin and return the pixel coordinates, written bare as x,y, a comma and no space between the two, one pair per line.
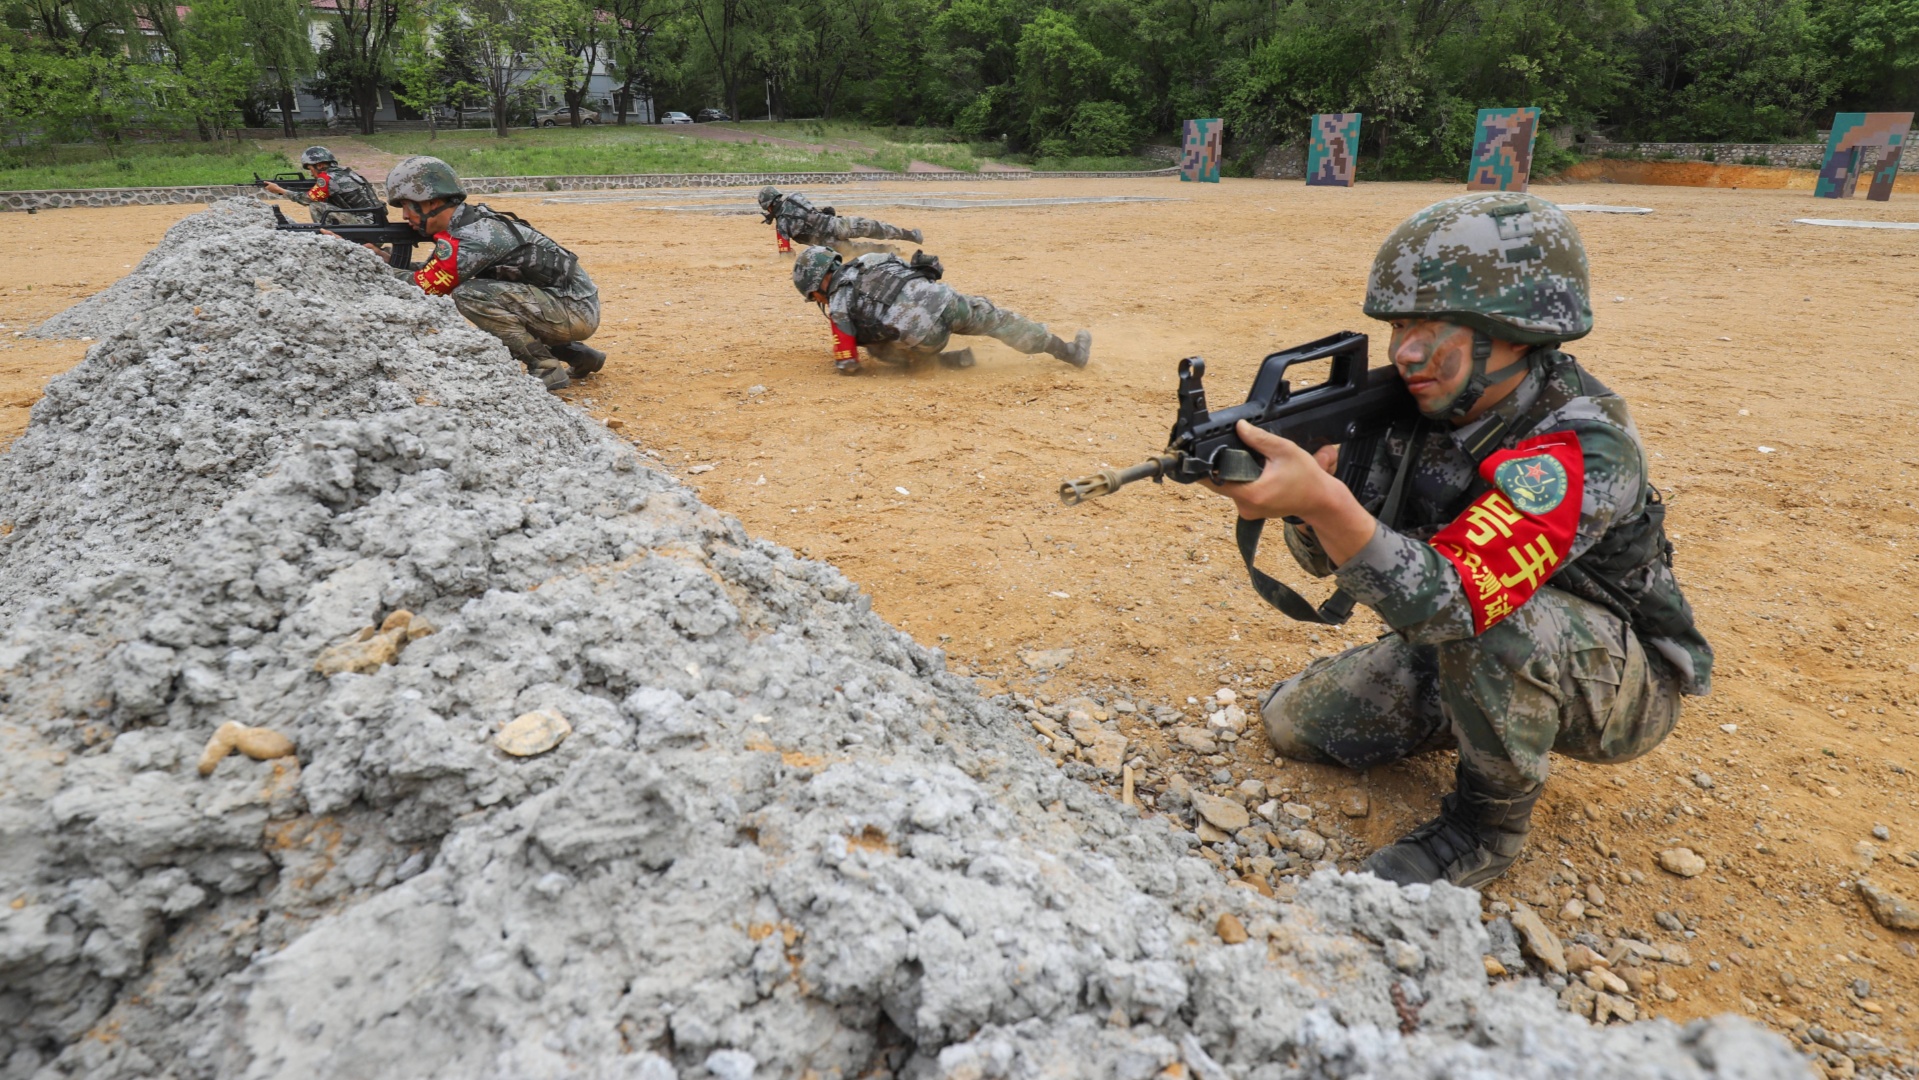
1339,606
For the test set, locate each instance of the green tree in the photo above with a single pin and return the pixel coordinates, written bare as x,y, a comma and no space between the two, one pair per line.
279,36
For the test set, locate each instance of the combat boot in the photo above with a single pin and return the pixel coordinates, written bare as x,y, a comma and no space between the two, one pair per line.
541,363
915,236
847,367
1076,354
1477,835
958,358
581,359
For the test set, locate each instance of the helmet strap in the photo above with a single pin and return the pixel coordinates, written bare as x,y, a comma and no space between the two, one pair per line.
1482,380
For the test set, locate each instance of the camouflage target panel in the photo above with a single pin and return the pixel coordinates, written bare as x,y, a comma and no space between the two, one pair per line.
1852,135
1199,157
1332,155
1503,150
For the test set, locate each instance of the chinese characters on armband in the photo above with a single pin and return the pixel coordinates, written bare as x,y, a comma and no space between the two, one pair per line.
1510,540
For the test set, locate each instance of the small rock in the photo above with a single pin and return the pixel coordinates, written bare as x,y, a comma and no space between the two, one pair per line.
1703,781
1580,958
1606,1006
1730,729
1676,954
1595,896
1893,911
1668,921
1208,834
1308,843
1494,969
1230,929
370,649
1226,814
1538,940
1046,659
1601,979
1681,861
1107,752
1196,740
1225,695
1666,993
1404,956
1880,832
258,743
1574,910
1355,804
1299,812
533,733
1865,853
1861,988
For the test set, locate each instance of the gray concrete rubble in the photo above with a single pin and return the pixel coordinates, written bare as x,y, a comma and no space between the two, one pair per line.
775,838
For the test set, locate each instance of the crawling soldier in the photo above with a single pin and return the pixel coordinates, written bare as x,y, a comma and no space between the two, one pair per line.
1528,580
794,217
900,312
342,196
504,275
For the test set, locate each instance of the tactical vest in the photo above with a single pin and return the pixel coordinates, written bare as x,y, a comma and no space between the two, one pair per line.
536,260
876,286
348,190
1616,572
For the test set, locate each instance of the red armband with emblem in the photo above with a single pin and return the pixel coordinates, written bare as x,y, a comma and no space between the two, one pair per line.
441,273
785,244
844,345
1511,539
319,191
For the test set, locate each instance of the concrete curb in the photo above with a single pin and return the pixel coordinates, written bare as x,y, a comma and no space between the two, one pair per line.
499,185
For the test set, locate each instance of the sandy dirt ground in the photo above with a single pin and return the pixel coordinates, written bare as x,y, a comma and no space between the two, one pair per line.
1770,367
1708,174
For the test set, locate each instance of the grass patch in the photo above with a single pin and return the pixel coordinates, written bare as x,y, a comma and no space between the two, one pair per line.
137,165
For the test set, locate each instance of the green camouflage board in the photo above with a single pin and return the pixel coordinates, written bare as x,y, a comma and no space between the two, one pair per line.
1502,150
1852,135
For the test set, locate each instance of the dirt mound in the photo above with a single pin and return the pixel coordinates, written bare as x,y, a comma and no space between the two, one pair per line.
774,838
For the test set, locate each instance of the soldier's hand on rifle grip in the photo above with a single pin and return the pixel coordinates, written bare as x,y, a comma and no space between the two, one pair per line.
1294,483
274,188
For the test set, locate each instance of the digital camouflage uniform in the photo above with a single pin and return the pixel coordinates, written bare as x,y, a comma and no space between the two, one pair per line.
900,313
512,281
797,219
342,197
1527,582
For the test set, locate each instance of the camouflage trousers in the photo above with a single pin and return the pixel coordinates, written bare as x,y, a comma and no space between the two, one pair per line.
527,318
828,230
1561,674
950,312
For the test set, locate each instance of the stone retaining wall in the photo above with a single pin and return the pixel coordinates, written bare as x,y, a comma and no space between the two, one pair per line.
1783,155
496,185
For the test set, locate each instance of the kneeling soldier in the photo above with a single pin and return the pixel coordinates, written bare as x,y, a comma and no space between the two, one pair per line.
794,217
1527,580
900,312
342,196
504,275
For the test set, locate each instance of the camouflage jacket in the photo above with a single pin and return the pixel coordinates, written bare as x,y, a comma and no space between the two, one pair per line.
484,243
341,189
878,297
800,221
1468,545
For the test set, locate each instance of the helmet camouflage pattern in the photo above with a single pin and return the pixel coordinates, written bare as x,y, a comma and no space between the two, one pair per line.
419,179
318,155
1504,263
768,196
811,268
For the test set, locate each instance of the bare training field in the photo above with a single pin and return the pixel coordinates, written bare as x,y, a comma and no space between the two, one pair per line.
1770,366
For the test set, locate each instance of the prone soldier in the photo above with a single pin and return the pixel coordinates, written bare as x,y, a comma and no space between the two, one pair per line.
794,217
505,276
901,312
1527,580
341,197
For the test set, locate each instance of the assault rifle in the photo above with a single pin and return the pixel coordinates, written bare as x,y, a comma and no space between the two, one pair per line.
291,181
399,235
1354,408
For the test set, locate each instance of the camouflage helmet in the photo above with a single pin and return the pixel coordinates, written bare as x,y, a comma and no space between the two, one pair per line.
1506,264
318,155
812,267
419,179
769,197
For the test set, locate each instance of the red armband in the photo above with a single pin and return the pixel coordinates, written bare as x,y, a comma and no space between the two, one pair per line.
319,191
785,244
441,274
844,346
1511,539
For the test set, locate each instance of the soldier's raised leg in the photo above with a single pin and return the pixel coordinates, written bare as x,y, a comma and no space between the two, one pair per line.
848,227
977,315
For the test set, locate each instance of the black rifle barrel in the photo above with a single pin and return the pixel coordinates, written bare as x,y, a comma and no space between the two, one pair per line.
1107,481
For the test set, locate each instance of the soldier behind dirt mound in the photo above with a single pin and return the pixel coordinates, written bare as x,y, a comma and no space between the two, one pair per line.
900,312
1528,582
342,196
795,217
504,275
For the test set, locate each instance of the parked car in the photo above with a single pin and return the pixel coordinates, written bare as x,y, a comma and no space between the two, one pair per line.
705,116
564,115
676,118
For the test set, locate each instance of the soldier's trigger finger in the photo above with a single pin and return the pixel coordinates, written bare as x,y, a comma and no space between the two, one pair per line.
1261,441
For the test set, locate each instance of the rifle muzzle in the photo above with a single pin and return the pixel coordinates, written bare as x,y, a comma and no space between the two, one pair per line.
1107,481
